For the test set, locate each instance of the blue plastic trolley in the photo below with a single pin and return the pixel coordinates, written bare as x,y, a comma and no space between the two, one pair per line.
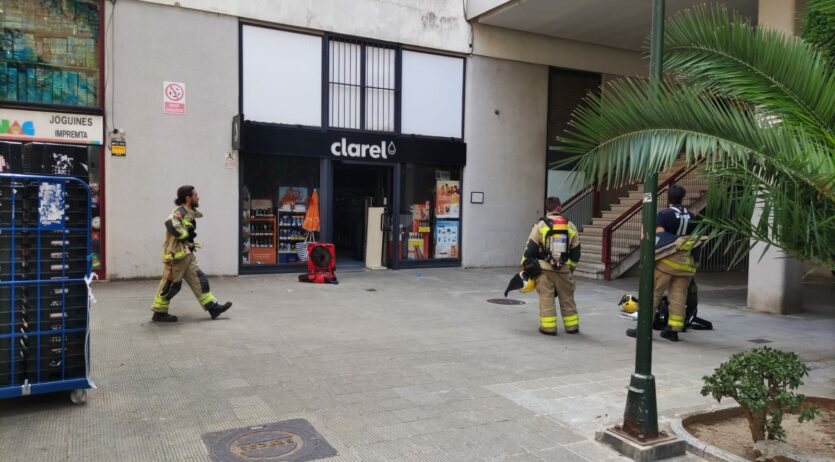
44,291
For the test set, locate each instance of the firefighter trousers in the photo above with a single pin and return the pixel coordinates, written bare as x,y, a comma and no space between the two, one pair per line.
552,284
677,288
173,275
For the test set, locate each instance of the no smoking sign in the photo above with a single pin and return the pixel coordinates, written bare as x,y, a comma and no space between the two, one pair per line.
174,98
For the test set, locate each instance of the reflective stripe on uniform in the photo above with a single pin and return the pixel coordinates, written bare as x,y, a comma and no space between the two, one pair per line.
570,321
183,235
160,302
680,266
675,321
206,298
174,256
548,321
571,263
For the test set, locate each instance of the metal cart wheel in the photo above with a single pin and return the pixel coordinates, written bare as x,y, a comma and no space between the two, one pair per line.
78,397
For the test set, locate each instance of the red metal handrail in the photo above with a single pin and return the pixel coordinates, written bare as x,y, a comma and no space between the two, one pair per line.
606,254
576,198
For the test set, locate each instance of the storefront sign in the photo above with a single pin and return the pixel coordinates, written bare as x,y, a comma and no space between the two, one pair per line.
174,98
341,144
358,150
59,127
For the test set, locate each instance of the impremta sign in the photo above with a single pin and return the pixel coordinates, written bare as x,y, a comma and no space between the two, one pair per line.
50,126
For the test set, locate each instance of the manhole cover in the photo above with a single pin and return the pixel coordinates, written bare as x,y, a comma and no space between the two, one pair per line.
291,440
759,340
505,301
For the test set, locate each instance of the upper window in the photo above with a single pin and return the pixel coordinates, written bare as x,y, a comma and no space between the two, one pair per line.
433,94
282,76
49,52
362,85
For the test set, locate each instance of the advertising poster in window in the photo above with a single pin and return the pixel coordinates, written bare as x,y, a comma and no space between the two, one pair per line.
292,199
446,239
447,199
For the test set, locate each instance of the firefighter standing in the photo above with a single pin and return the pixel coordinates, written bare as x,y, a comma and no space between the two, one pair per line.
551,254
180,261
674,272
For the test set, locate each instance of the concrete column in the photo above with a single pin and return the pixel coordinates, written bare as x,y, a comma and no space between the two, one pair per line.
786,15
774,279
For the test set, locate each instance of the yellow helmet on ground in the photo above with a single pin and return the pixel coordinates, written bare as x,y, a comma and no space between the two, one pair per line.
628,304
530,283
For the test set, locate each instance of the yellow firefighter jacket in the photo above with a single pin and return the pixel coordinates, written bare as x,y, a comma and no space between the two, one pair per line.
178,226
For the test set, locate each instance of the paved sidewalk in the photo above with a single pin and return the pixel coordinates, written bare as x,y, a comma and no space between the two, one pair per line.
392,365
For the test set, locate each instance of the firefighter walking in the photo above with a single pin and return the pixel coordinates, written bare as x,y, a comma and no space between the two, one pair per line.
180,262
551,254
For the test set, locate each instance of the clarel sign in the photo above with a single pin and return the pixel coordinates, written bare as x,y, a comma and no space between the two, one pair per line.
358,150
50,127
344,145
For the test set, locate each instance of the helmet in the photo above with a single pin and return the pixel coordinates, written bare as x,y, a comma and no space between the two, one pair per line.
628,304
530,283
559,223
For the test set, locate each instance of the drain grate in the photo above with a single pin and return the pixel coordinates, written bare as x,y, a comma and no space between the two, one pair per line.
505,301
291,440
759,340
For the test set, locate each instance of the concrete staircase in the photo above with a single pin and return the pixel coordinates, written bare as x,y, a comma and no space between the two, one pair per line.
591,237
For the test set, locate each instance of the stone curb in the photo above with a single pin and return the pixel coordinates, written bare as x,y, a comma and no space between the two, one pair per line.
699,447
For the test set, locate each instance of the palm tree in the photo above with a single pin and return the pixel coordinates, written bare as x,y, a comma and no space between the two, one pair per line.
757,107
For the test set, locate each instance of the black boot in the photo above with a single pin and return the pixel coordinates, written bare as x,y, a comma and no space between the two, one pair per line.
215,308
657,322
545,332
631,332
576,331
669,334
163,317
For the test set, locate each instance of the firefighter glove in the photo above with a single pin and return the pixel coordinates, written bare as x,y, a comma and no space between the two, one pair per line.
531,268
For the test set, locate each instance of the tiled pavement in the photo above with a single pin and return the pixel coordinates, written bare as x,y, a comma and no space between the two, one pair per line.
419,369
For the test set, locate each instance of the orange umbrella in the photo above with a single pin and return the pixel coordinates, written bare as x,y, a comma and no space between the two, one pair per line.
311,218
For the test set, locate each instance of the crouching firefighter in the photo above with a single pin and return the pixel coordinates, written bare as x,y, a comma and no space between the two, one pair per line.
180,262
551,254
677,254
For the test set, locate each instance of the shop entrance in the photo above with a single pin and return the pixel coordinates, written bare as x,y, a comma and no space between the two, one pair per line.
358,187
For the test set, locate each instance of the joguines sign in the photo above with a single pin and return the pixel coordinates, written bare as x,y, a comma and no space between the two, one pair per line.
50,127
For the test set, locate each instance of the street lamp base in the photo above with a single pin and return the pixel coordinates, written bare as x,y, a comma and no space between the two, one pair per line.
661,447
640,420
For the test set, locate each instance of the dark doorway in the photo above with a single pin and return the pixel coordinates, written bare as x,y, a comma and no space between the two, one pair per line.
356,186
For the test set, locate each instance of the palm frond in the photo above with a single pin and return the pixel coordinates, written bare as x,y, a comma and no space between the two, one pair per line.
778,211
628,132
782,75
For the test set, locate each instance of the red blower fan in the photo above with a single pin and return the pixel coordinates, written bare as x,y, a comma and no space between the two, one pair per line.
321,263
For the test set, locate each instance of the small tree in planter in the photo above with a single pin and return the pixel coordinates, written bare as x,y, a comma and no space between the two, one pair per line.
762,381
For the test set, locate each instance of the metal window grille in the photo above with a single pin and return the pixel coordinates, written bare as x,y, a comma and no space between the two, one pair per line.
362,85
